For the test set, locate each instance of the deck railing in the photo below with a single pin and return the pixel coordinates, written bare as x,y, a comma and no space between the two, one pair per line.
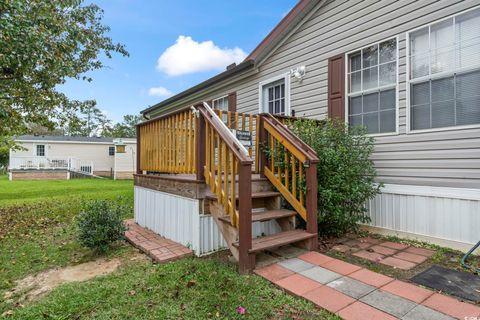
225,160
290,165
168,144
51,163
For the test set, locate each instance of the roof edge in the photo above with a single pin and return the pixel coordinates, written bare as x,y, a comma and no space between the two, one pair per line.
243,66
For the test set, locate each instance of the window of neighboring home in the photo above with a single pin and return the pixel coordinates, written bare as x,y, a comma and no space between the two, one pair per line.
372,87
111,151
220,103
274,95
40,150
444,73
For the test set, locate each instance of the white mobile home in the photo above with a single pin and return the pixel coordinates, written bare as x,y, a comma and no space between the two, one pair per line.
58,157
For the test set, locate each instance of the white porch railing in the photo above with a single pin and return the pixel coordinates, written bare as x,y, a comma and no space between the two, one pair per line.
51,163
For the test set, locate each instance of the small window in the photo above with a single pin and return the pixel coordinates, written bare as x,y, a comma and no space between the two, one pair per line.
274,97
220,103
444,74
372,79
40,150
120,149
111,151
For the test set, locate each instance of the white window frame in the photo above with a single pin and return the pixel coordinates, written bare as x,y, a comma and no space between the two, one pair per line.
45,148
439,75
397,85
261,84
221,97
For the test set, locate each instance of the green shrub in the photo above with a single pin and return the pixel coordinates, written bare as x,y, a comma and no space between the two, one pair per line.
100,223
345,173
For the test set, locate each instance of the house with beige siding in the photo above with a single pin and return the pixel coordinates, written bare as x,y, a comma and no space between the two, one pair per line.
63,157
407,70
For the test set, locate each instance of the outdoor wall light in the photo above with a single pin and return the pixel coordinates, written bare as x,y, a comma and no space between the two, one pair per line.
299,72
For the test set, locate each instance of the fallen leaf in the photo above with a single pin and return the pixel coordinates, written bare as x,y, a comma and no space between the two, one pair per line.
132,292
191,283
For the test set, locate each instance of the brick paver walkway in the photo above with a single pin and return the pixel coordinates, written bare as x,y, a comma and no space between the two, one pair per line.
392,254
157,247
353,292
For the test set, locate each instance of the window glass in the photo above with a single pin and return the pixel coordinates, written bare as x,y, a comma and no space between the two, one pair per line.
445,73
111,151
220,103
40,150
274,97
372,74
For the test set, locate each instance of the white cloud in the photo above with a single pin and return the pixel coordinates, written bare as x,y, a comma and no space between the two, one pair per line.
159,92
189,56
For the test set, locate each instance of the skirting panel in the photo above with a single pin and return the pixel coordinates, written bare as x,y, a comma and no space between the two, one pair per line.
445,214
179,219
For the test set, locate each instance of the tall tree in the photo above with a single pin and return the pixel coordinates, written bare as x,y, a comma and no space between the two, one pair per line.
43,43
125,129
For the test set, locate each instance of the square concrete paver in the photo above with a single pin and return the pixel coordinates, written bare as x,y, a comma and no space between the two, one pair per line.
274,272
296,265
351,287
297,284
451,306
341,267
423,313
420,251
415,258
315,258
389,303
372,256
408,291
398,263
394,245
371,278
384,250
328,298
362,311
320,275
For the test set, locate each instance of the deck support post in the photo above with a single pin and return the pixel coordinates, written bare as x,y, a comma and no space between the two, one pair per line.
200,147
262,143
246,259
311,205
139,149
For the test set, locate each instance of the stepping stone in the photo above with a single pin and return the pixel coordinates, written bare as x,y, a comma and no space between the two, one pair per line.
415,258
394,245
296,265
320,275
372,278
398,263
389,303
423,313
351,287
420,251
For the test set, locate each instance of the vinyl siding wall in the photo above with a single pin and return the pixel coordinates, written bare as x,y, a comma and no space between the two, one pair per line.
443,158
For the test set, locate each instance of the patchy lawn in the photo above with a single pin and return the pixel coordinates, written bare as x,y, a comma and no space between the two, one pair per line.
36,234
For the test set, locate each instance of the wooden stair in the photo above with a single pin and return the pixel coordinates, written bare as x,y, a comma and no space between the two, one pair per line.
266,215
256,195
278,240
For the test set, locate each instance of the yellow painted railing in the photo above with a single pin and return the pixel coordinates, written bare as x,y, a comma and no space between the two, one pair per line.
168,144
290,165
245,122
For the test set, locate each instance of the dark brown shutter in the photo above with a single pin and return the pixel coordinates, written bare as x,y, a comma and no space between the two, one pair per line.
232,102
336,87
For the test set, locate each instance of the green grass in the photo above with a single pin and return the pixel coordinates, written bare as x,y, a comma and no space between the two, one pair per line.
22,192
37,233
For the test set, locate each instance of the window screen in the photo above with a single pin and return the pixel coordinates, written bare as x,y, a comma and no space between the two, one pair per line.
274,97
220,103
111,151
444,72
372,74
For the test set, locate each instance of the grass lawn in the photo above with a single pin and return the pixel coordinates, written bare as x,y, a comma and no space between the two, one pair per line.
37,233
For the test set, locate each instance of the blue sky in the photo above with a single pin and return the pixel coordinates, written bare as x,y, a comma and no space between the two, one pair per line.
149,28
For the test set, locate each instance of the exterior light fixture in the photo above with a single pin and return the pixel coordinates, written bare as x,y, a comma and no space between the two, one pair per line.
299,72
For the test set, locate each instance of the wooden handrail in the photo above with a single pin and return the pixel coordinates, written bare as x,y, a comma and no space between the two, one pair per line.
289,138
226,135
225,158
292,169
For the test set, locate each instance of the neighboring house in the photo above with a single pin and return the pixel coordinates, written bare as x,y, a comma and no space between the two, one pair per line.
407,70
58,157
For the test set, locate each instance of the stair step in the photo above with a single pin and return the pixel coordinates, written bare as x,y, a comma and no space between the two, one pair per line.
266,215
256,195
278,240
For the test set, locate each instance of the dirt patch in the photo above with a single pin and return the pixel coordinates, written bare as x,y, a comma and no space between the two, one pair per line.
37,285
